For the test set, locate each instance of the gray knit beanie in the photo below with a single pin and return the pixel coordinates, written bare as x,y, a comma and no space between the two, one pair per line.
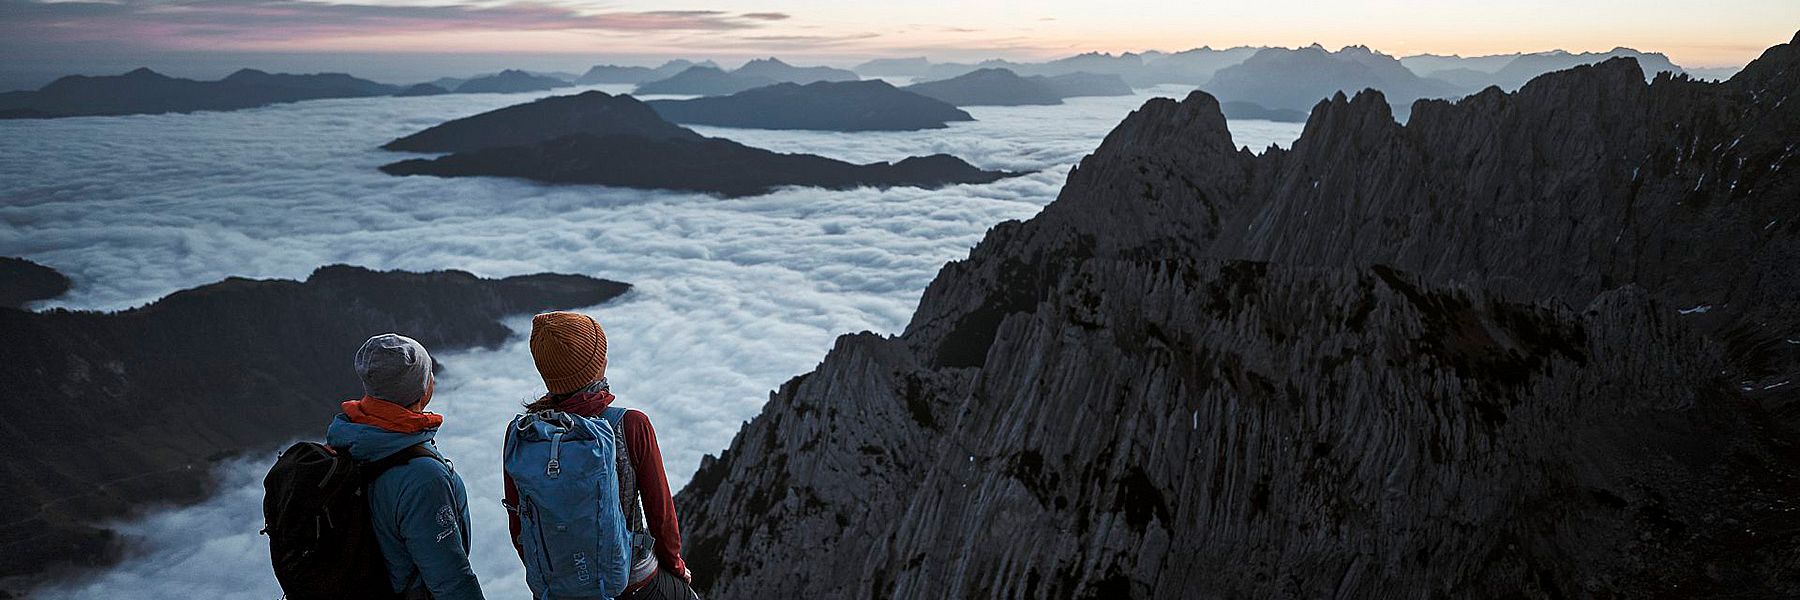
394,368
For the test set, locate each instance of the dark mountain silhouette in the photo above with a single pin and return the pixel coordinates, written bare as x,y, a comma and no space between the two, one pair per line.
422,89
23,281
1250,110
541,120
825,105
1295,79
510,81
1491,353
710,165
988,87
619,74
703,81
598,138
203,374
773,68
143,91
325,85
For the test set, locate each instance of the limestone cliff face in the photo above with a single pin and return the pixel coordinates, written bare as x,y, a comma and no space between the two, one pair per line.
1463,357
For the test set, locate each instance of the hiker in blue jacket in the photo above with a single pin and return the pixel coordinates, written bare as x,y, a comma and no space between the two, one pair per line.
419,509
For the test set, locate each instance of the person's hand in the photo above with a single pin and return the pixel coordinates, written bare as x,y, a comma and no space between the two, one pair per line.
685,575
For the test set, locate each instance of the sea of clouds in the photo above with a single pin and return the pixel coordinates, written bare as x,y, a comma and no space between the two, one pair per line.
732,296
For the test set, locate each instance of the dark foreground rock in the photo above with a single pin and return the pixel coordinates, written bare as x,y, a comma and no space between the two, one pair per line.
23,281
144,91
104,413
872,105
1534,345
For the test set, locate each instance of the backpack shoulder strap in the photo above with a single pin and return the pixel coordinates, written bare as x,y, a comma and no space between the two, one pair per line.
615,416
374,469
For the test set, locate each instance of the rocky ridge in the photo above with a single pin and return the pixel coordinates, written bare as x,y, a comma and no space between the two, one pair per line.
1532,344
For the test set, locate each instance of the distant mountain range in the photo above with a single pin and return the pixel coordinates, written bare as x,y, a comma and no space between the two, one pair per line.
510,81
710,80
866,105
1292,79
618,74
1510,71
143,91
598,138
175,379
1003,87
1282,79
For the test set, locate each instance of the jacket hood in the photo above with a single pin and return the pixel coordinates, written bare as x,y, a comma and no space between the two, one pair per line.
368,442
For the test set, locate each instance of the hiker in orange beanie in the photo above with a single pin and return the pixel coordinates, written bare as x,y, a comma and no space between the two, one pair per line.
570,351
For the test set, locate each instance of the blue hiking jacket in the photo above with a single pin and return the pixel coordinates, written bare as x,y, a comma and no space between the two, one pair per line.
420,511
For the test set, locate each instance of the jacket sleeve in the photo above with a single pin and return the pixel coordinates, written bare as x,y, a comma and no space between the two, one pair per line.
653,487
432,520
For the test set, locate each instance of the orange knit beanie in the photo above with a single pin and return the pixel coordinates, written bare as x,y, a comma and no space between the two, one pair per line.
569,349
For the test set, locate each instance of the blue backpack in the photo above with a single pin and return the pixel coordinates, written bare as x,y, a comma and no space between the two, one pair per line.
576,540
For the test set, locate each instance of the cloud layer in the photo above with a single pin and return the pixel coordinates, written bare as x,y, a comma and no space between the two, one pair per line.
733,297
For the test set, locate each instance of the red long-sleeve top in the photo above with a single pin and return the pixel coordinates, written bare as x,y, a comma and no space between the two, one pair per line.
652,482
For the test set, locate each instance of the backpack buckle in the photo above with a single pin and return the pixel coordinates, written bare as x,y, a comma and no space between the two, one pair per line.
554,468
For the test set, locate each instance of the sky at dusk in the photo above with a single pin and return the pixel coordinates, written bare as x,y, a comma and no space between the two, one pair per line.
443,36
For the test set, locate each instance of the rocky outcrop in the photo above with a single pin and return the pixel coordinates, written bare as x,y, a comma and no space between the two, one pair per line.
104,413
1526,345
23,281
510,81
143,91
826,105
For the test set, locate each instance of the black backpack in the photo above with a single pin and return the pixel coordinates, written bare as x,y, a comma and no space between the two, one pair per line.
316,514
